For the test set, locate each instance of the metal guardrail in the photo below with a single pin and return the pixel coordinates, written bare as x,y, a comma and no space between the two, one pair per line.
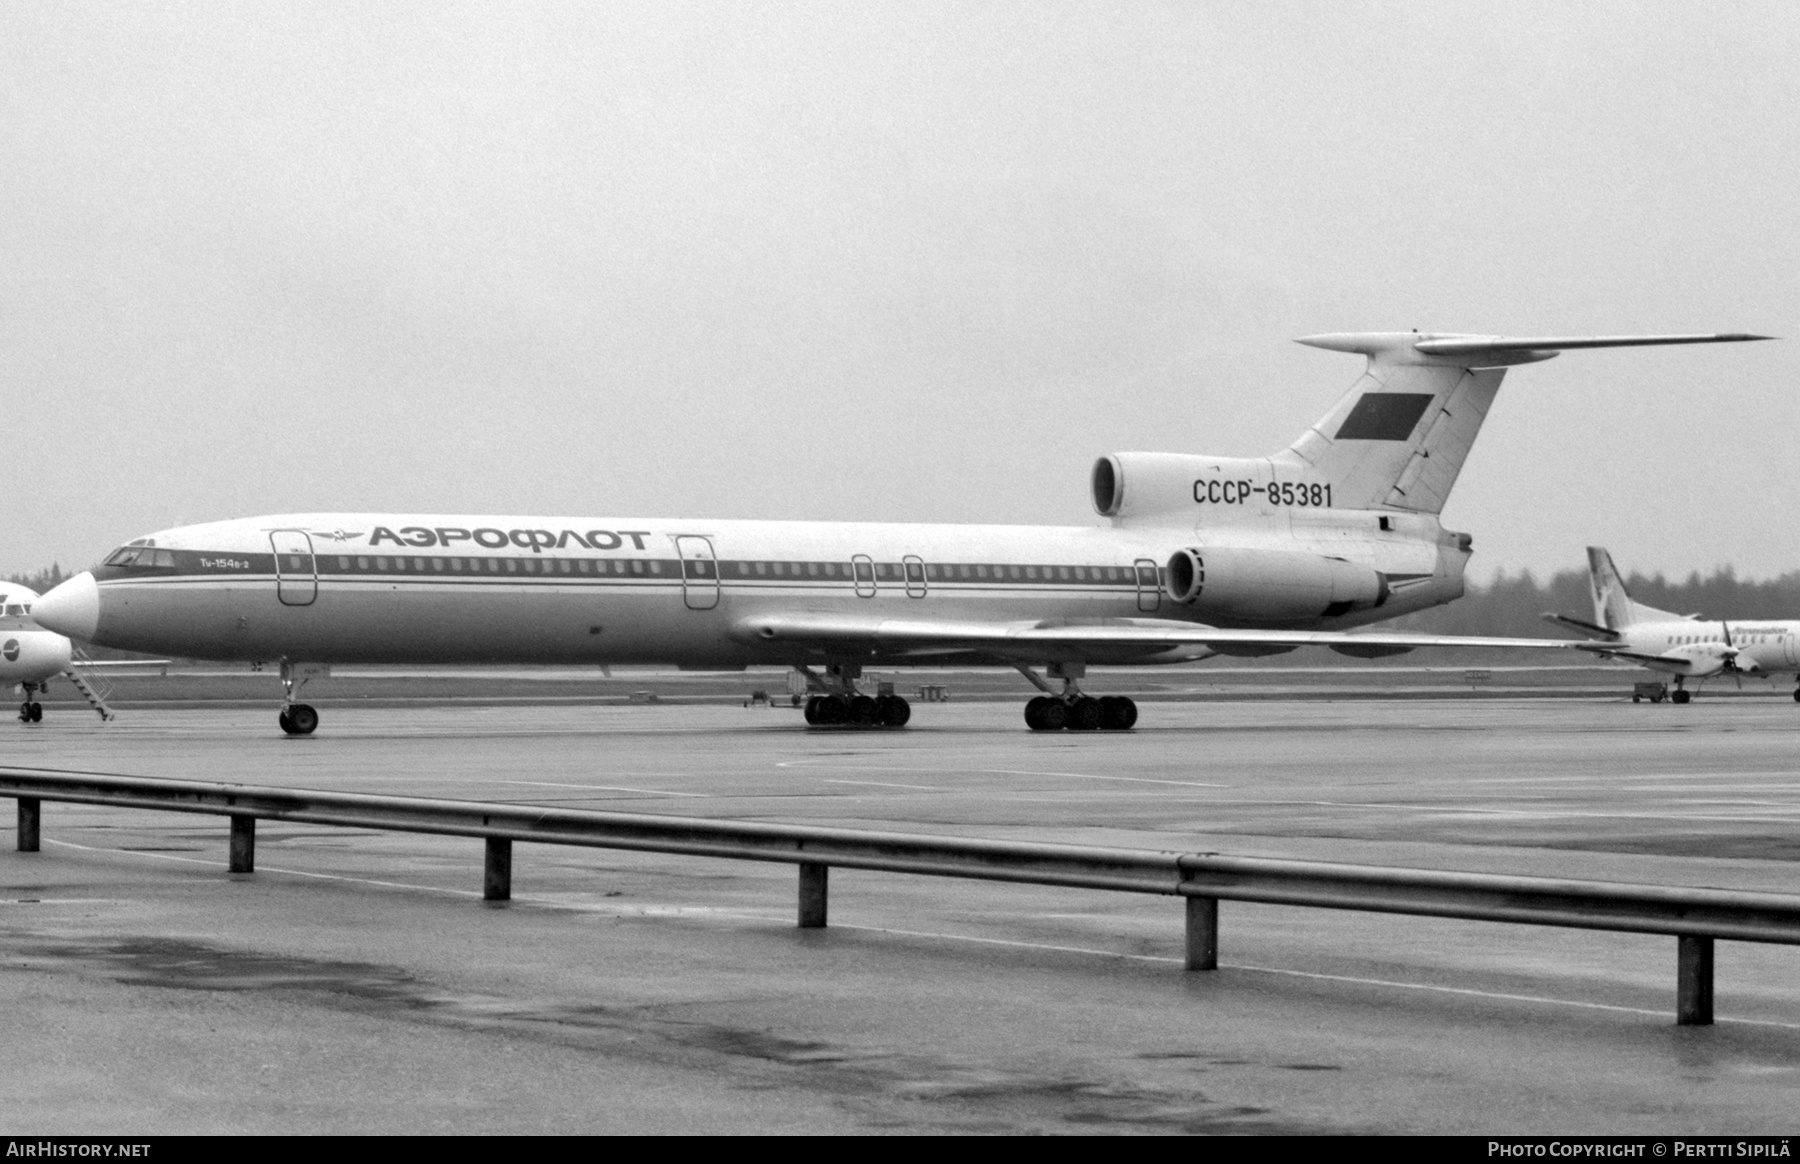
1695,917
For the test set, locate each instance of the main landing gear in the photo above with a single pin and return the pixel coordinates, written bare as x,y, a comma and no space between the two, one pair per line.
841,705
296,719
1679,695
1070,709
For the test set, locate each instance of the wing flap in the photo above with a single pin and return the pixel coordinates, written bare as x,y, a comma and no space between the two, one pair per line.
924,637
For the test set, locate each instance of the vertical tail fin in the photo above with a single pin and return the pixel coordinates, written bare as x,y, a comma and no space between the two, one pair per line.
1613,607
1399,437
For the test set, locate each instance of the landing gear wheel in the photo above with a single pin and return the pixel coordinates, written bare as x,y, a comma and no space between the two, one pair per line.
1797,695
1084,714
832,710
1045,714
25,712
812,711
892,711
1682,696
298,719
862,710
34,712
1117,713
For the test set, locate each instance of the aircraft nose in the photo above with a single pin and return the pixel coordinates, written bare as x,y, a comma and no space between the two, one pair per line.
71,609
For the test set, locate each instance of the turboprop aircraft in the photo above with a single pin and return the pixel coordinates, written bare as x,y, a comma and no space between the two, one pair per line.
1200,556
1682,645
31,656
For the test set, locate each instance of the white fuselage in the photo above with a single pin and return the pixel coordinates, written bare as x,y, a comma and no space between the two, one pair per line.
411,588
1699,649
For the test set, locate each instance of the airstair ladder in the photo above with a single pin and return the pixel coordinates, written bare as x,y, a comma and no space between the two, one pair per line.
96,698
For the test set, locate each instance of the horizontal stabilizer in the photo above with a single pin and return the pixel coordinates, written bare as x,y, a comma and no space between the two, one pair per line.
1463,344
1493,351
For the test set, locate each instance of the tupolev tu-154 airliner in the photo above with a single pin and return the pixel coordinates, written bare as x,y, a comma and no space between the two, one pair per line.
1200,556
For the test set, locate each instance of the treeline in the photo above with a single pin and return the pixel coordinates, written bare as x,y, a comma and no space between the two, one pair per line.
41,581
1511,605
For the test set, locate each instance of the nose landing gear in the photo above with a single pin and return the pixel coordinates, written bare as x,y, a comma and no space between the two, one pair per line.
297,719
1070,709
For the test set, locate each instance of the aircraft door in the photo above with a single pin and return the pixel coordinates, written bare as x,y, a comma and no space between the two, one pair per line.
1791,642
914,568
699,572
1149,585
296,571
862,567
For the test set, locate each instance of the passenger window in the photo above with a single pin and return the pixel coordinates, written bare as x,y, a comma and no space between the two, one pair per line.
381,563
587,567
637,566
512,565
343,563
812,568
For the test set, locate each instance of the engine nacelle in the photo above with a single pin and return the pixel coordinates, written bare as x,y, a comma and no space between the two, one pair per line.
1271,585
1138,484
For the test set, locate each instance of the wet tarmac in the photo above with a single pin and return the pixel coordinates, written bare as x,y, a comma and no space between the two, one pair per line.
356,982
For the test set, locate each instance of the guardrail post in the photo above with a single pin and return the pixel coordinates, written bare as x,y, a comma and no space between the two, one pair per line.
1202,933
29,813
813,880
496,874
243,844
1693,981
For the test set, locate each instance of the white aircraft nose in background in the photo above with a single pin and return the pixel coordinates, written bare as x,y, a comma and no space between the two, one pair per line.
31,655
71,609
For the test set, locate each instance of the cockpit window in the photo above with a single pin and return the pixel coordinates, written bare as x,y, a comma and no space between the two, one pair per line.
140,557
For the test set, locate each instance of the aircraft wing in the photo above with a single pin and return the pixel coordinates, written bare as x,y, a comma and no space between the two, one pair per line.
1109,638
1617,651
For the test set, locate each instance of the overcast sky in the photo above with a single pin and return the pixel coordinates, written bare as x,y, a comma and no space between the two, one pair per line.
888,262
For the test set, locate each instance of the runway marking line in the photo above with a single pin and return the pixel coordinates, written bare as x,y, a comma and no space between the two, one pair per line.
606,788
879,784
705,912
1004,772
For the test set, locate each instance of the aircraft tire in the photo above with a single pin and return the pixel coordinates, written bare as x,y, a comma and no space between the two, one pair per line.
1681,696
37,712
1084,714
1053,715
812,711
1117,713
862,711
302,720
892,711
1797,695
